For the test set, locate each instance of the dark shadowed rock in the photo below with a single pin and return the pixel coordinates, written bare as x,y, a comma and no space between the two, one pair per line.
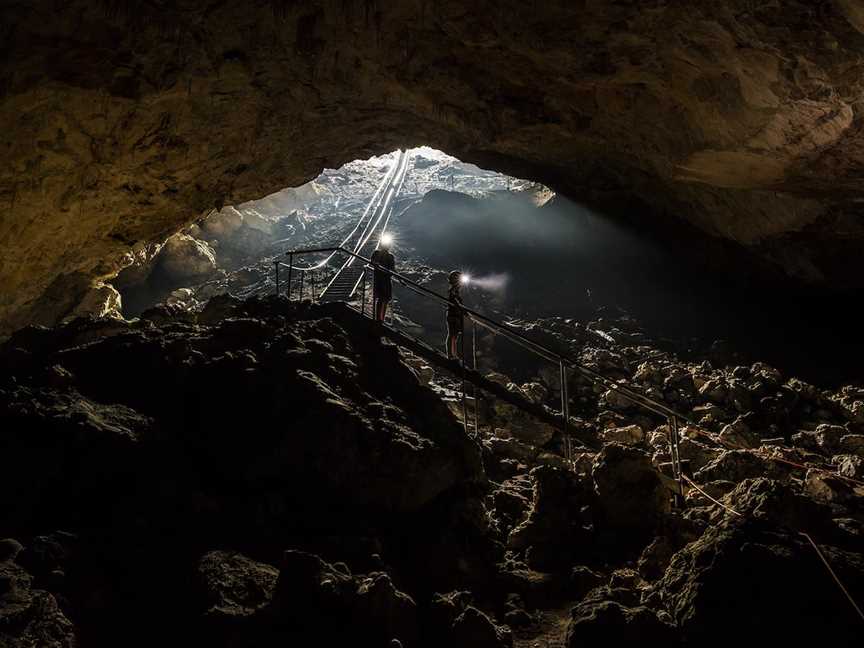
555,528
234,585
632,500
787,596
602,622
29,617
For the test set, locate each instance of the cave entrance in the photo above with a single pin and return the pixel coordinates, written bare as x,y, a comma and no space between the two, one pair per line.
535,255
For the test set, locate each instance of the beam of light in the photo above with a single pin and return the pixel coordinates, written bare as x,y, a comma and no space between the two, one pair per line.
496,282
386,239
465,278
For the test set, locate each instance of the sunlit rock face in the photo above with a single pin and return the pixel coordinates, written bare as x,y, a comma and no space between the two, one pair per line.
122,122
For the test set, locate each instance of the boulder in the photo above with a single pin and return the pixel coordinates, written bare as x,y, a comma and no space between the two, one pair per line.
235,586
738,435
851,466
737,465
852,444
316,599
595,623
628,435
185,258
29,617
473,629
454,621
217,309
554,529
102,300
631,498
826,487
789,598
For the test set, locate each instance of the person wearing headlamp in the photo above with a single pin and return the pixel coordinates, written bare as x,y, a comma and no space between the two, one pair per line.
455,315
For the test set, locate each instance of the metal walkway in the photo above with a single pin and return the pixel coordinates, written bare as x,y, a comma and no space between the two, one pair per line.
457,368
344,284
566,366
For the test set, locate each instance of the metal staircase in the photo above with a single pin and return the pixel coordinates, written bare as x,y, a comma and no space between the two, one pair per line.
344,284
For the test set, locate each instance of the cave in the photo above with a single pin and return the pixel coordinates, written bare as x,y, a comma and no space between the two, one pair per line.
198,453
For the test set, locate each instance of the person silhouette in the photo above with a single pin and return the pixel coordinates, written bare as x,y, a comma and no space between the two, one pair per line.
455,315
382,286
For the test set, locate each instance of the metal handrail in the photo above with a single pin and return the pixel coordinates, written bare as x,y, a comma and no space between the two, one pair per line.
541,350
488,323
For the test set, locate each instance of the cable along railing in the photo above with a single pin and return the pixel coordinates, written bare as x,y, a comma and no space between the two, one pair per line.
564,363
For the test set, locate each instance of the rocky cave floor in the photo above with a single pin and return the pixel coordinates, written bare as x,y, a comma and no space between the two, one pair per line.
265,471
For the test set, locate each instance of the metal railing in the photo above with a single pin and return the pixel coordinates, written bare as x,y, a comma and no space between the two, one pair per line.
563,361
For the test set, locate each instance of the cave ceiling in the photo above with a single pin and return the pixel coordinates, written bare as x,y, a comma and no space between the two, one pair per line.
123,121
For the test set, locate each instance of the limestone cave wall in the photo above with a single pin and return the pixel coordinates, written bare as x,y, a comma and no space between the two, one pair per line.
123,120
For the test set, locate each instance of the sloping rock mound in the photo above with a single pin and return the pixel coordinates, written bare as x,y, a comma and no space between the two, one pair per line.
271,427
306,410
758,578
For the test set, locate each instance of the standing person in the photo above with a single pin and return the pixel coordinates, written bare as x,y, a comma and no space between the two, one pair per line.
382,286
455,317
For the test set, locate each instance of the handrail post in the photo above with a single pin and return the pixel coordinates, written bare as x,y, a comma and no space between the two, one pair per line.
676,460
476,401
462,365
276,267
363,293
565,412
302,280
290,270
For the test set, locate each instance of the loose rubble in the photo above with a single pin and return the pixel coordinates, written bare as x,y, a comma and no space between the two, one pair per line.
319,489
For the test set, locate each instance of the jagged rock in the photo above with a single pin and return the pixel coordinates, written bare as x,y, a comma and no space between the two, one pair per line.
738,434
583,580
313,598
217,309
185,258
512,449
521,425
655,558
827,488
702,588
648,373
100,301
716,489
455,621
737,465
629,435
583,462
29,617
473,629
554,528
849,465
9,549
698,454
516,615
715,390
828,437
596,622
617,401
235,586
774,503
852,444
632,499
511,501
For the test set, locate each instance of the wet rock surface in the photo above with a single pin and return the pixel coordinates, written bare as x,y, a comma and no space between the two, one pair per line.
263,472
